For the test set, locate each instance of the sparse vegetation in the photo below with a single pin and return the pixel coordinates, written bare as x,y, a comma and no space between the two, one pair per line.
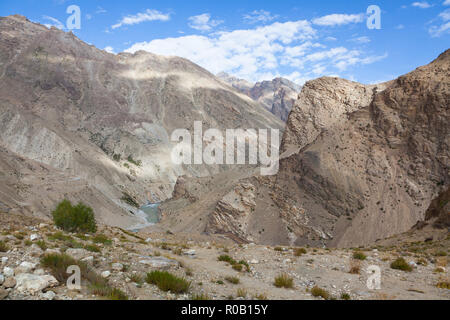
355,267
401,264
136,278
358,255
79,218
233,280
3,247
345,296
166,281
201,296
319,292
41,244
58,264
443,285
284,281
241,293
101,238
299,251
129,200
137,163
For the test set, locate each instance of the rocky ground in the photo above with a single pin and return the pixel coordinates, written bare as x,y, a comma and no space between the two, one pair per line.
124,259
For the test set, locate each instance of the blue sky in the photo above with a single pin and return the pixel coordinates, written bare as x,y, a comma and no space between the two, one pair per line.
259,40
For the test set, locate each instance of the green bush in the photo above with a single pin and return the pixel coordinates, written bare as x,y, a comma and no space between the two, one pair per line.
166,281
299,251
233,280
359,255
58,264
3,247
319,292
284,281
401,264
79,218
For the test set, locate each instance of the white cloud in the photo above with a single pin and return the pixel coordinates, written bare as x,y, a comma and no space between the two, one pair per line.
248,54
148,15
437,30
261,53
54,23
259,16
422,5
338,19
109,49
203,22
446,3
361,40
400,27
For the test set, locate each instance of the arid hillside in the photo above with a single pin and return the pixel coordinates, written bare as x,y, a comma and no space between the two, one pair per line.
80,123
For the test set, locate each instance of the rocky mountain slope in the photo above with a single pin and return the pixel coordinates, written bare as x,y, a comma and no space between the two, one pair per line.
80,123
359,163
278,96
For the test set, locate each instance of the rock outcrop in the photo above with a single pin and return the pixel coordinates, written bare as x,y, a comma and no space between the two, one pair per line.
278,95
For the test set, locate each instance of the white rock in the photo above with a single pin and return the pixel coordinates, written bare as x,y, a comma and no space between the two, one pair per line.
190,252
148,240
49,295
105,274
254,261
2,279
53,251
78,254
33,284
25,267
39,272
8,272
160,262
5,260
88,260
34,237
117,266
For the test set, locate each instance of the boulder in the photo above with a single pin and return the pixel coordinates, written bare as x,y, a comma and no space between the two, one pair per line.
25,267
8,272
159,262
33,284
78,254
9,283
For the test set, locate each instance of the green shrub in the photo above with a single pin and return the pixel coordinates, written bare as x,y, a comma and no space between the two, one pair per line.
201,296
345,296
79,218
233,280
58,264
299,251
319,292
359,255
3,247
401,264
101,238
284,281
41,244
137,163
92,248
237,267
166,281
227,258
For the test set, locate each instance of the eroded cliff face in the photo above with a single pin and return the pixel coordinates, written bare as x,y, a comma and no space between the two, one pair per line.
94,117
359,163
278,95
